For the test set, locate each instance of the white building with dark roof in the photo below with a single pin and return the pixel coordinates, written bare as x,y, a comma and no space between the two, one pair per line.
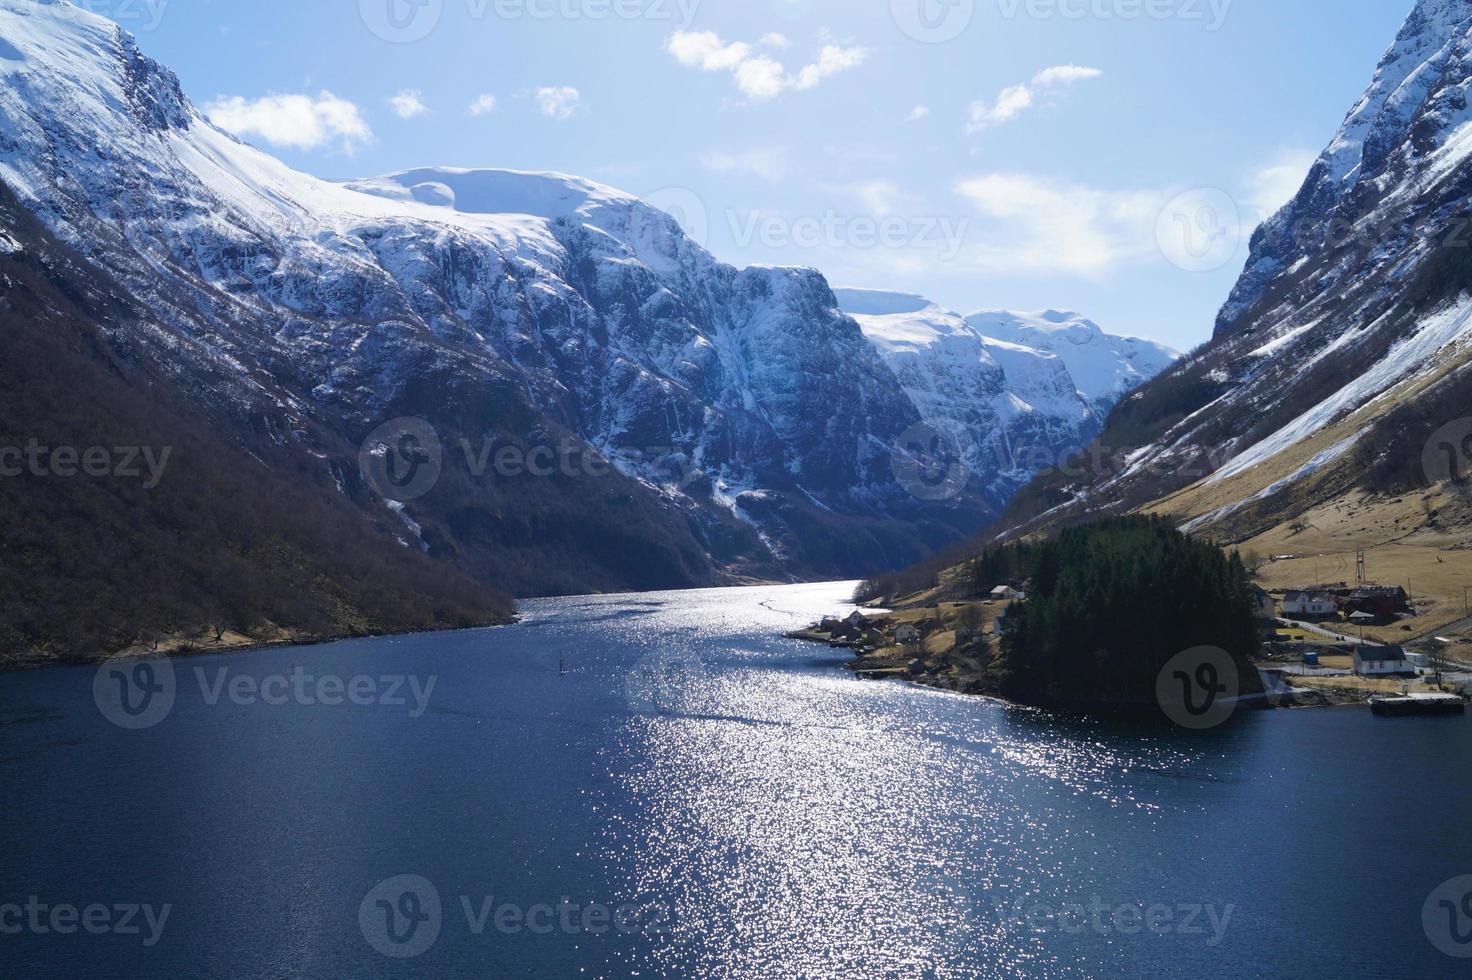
1381,661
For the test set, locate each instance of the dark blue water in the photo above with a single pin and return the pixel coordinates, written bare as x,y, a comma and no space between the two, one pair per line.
695,796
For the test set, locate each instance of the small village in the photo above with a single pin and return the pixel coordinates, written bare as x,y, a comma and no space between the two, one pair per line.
1338,641
1324,645
947,644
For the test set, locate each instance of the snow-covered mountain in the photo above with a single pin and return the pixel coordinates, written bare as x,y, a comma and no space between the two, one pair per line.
749,421
1022,391
1345,345
1104,367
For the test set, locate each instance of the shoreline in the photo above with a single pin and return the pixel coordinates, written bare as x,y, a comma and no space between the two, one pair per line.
902,667
22,664
19,662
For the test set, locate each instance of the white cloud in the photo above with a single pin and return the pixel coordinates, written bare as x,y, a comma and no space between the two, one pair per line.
1273,186
831,60
766,163
1064,75
1014,100
483,105
760,77
1009,104
706,50
408,104
301,122
778,41
881,198
918,113
560,103
1042,226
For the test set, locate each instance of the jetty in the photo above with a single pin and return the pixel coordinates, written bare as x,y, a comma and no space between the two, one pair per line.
1395,705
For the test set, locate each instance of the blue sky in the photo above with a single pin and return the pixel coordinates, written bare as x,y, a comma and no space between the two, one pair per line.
1013,153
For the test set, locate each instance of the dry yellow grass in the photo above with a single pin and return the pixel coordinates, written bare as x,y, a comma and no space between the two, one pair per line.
1430,556
1432,561
940,642
1206,497
1369,685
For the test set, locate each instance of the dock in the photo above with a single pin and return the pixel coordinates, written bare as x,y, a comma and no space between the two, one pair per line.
1397,705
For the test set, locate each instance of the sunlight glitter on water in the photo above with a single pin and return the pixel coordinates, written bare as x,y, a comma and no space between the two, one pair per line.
676,752
805,819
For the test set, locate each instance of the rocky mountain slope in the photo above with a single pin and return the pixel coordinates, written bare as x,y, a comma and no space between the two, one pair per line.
1337,382
719,422
126,519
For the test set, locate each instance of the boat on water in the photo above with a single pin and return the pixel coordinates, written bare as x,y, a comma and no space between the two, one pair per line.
1418,704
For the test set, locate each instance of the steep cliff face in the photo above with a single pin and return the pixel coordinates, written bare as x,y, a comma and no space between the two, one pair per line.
1104,367
1345,345
1385,179
747,423
1017,392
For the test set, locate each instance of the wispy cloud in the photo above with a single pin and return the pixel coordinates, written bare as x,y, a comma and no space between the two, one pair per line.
881,198
767,163
1042,226
706,50
918,113
831,60
1016,99
1276,183
1064,75
300,122
560,103
483,105
761,77
408,104
1038,226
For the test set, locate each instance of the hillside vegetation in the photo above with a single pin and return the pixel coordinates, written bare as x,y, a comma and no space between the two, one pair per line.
1111,603
213,538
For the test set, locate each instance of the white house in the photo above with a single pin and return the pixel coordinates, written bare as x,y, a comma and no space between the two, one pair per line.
907,635
1309,604
1005,593
1381,661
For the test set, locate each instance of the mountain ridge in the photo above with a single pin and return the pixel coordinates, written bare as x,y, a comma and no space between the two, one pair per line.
1003,386
743,426
1334,392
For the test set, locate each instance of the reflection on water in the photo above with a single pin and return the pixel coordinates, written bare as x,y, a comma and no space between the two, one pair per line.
785,818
